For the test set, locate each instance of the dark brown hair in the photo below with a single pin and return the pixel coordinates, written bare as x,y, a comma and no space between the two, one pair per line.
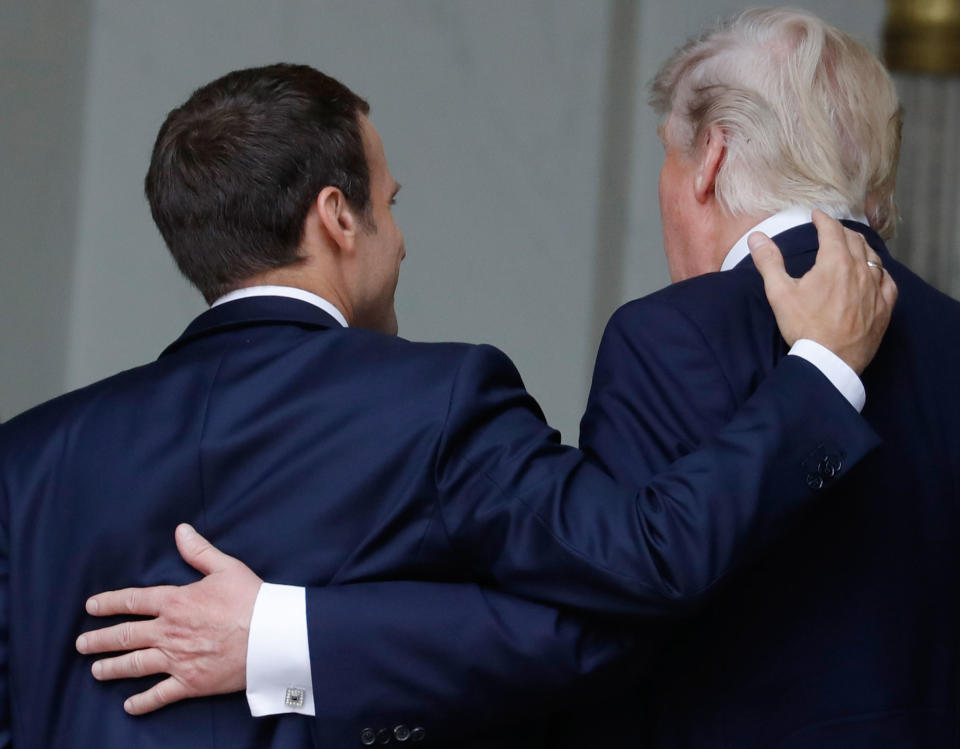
235,169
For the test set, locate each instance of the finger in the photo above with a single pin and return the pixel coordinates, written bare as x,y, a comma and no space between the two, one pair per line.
857,246
889,290
131,665
123,636
200,553
138,601
159,695
870,256
769,261
833,244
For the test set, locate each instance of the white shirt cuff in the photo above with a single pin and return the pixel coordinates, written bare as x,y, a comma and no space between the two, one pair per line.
834,369
278,653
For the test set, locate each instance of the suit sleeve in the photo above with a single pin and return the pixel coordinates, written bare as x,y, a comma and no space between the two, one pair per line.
545,534
536,519
453,660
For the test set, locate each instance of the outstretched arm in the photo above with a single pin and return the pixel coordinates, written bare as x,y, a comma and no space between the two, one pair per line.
538,520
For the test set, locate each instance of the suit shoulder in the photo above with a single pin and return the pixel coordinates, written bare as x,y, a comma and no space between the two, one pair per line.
445,357
471,364
54,409
703,302
718,325
415,368
51,425
942,308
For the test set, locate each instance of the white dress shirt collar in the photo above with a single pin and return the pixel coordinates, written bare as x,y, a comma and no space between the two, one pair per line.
778,223
287,291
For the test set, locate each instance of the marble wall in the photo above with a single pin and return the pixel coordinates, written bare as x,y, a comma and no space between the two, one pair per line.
518,128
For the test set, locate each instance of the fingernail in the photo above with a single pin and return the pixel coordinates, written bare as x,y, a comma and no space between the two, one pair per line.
187,531
757,239
128,705
97,669
82,643
92,606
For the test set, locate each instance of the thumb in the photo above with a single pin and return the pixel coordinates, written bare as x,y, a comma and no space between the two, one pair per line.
769,261
198,552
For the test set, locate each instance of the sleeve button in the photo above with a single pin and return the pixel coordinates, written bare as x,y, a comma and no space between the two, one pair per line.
814,481
830,467
368,737
401,733
384,736
417,734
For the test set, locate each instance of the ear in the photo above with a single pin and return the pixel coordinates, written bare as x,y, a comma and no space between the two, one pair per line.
709,159
337,217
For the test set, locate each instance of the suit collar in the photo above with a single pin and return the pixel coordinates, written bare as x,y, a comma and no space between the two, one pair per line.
803,239
291,292
778,223
259,310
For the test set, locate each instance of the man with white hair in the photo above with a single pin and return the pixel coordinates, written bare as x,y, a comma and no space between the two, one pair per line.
845,634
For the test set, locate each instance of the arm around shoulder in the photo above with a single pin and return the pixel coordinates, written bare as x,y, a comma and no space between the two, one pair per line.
535,519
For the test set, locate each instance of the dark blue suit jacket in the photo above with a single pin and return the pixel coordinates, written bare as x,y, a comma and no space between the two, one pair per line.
846,634
324,456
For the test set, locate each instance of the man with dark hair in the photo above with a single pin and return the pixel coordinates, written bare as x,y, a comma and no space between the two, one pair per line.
325,455
235,170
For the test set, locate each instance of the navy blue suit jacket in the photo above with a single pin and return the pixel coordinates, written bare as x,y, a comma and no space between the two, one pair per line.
325,456
846,633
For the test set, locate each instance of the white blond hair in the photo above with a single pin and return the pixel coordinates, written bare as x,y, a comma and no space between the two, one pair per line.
810,116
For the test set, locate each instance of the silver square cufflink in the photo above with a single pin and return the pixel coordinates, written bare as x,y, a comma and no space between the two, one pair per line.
295,697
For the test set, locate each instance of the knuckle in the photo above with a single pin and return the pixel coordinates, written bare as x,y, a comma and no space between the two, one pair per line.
190,677
170,637
201,547
125,634
189,686
177,601
131,601
138,666
160,694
